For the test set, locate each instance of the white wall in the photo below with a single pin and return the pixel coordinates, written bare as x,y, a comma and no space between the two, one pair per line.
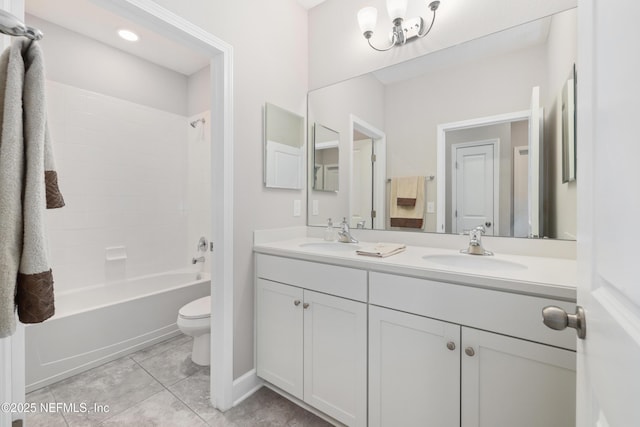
79,61
270,65
337,49
122,171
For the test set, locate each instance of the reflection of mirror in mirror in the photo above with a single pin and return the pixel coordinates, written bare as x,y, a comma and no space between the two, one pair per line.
326,155
493,76
283,148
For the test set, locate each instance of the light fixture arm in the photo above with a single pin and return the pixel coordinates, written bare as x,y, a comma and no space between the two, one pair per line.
433,6
402,30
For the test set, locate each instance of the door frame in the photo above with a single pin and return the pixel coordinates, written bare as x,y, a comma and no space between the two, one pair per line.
379,141
155,17
442,129
495,142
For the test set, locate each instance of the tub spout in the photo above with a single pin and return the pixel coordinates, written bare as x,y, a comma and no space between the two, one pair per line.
197,260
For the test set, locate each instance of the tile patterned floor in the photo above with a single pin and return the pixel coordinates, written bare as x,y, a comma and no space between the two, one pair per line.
159,386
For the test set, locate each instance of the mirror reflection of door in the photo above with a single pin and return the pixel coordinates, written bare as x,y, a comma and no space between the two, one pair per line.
363,181
474,195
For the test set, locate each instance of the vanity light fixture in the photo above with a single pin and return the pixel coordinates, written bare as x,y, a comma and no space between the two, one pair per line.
403,30
128,35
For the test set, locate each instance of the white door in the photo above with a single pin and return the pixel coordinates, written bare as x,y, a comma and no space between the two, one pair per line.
279,335
414,370
535,151
536,381
473,187
335,357
608,211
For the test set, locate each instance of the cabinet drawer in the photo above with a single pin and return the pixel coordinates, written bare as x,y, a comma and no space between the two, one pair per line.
502,312
330,279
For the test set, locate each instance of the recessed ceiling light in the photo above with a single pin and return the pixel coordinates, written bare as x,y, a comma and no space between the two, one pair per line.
128,35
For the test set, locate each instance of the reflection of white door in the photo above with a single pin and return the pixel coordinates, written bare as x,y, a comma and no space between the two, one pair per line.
535,153
331,177
608,207
362,197
473,188
284,166
520,191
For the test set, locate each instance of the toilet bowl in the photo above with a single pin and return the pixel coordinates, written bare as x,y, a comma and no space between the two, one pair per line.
194,319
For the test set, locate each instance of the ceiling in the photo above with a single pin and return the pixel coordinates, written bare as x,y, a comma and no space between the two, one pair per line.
308,4
84,17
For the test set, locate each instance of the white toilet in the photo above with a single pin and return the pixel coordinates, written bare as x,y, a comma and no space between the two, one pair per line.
194,319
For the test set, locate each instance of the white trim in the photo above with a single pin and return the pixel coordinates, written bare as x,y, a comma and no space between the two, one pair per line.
495,142
157,18
441,153
245,386
380,173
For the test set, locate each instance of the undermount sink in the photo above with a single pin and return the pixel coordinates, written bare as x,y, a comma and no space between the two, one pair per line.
478,262
330,246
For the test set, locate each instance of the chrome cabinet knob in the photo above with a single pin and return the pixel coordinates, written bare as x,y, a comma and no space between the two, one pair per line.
305,305
558,319
451,345
296,302
469,351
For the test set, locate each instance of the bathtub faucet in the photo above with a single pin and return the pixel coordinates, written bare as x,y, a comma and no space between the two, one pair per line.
197,260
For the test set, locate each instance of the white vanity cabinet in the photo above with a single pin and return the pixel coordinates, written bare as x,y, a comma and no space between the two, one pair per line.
311,334
512,382
424,371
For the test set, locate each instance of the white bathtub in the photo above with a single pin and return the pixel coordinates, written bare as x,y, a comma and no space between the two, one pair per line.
101,323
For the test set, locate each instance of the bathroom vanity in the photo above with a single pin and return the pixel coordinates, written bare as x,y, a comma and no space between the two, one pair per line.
425,337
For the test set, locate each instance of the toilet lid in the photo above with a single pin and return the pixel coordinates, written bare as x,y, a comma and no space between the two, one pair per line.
196,309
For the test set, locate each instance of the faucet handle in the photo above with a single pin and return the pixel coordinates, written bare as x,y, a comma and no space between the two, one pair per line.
480,229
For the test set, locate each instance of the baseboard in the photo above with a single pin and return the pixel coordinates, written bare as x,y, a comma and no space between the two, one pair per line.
245,386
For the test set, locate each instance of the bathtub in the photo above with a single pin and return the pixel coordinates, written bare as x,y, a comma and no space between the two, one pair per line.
101,323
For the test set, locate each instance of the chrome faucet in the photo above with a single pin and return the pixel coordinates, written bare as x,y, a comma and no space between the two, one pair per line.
344,234
475,242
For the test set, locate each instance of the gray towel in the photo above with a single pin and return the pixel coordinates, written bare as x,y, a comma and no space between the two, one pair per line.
28,185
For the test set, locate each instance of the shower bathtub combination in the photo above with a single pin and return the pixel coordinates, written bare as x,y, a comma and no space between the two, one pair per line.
98,324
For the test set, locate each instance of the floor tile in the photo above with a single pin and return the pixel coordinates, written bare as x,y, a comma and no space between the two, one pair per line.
119,384
160,347
161,409
194,392
40,418
173,365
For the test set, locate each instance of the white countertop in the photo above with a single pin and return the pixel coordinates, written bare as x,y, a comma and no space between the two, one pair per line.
545,277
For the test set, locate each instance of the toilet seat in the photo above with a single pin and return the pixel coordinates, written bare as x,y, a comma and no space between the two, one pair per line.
198,309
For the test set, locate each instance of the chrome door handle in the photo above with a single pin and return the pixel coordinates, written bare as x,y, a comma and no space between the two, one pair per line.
558,319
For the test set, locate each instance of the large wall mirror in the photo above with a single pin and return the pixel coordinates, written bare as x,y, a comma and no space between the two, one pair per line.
471,135
283,148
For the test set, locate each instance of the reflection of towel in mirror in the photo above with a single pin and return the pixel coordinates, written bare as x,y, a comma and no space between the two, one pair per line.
28,185
407,190
407,216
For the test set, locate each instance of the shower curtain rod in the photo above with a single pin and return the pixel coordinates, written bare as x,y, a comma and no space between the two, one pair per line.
12,26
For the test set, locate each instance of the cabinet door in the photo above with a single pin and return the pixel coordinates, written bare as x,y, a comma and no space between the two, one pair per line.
335,357
414,370
512,382
279,335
